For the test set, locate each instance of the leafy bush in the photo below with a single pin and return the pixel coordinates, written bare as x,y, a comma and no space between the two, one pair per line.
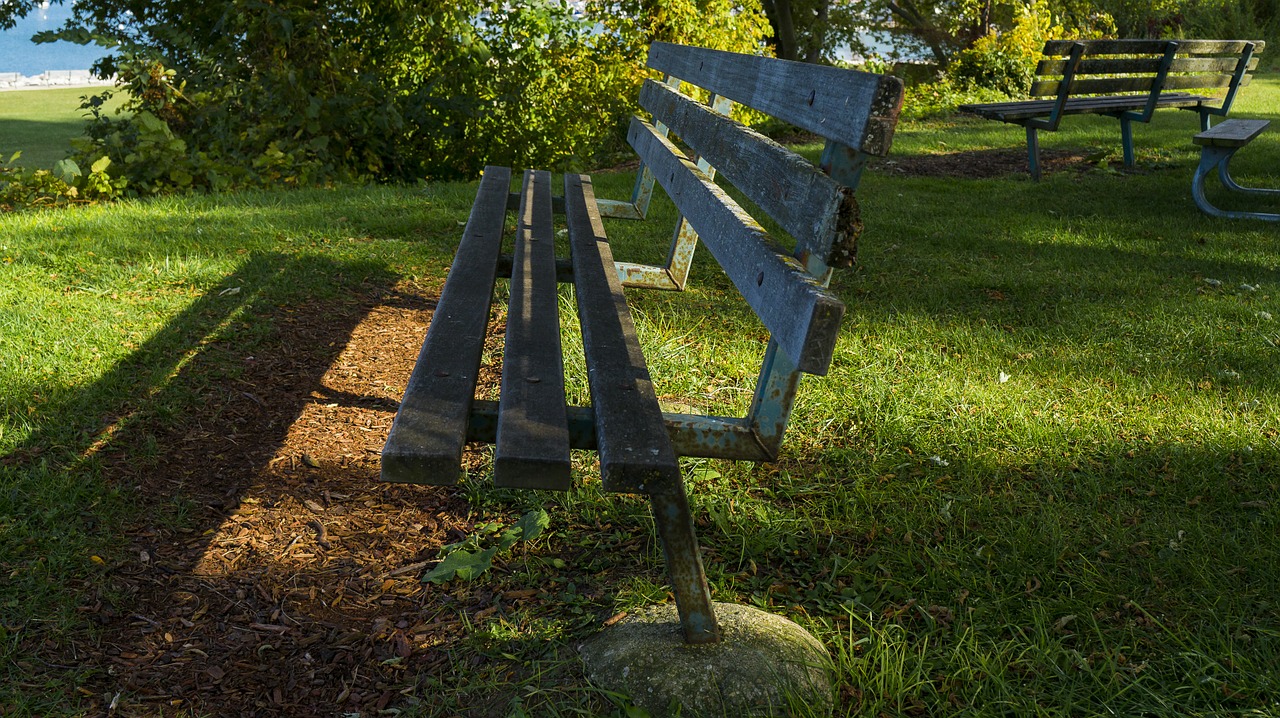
1000,65
1233,20
1006,61
304,92
65,184
936,99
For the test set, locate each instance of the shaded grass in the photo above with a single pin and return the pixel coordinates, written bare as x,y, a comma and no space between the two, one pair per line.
1040,479
41,124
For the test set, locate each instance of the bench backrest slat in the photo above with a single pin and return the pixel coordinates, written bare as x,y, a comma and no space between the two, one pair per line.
1114,85
1149,66
1151,47
802,316
858,110
805,202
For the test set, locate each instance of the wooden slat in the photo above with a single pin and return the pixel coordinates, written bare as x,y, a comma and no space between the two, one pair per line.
856,109
1201,82
1013,111
631,437
1150,66
1151,47
1111,85
533,436
798,196
801,315
1231,133
1095,86
426,439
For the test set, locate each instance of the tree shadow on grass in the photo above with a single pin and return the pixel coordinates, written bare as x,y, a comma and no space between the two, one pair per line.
42,143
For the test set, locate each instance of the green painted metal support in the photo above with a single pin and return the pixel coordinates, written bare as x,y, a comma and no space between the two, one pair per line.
1033,151
674,274
1218,158
1126,139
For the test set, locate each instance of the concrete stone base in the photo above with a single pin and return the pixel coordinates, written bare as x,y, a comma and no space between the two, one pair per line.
764,665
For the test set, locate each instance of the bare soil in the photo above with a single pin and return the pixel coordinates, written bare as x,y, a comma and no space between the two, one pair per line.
297,592
983,164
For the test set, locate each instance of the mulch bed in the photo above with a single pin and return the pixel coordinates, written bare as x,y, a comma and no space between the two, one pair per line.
298,590
983,164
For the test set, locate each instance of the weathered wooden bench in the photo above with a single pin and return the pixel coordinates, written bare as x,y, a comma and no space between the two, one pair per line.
1217,146
531,424
1128,80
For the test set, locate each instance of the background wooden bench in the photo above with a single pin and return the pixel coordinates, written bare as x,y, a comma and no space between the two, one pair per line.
532,425
1128,80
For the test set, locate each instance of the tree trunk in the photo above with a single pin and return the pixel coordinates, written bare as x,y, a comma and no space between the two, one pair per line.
818,37
784,28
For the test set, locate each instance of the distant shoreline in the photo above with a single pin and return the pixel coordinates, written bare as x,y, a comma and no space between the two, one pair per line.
51,79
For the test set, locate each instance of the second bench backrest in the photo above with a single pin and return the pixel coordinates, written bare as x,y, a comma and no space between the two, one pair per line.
1111,67
856,113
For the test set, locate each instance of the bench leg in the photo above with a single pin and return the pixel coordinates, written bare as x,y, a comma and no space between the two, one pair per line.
1126,140
1220,157
684,564
1033,152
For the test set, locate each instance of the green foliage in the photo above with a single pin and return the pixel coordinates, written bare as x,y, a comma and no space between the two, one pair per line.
935,99
296,92
999,65
1006,61
466,560
1233,19
716,24
65,184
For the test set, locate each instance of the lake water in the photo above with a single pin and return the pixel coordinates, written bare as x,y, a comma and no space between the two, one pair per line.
19,54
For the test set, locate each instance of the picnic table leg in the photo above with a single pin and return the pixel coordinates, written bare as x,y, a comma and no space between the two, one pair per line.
1033,152
684,564
1220,157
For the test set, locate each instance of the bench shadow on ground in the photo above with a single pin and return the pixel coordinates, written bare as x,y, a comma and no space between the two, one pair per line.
268,576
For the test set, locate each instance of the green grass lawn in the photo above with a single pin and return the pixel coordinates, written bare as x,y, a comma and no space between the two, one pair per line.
41,124
1042,477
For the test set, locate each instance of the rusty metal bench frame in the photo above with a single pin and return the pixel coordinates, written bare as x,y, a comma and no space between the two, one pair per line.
532,426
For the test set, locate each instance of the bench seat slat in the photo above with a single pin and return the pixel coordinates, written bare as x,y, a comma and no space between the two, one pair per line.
533,436
803,200
1232,133
426,439
803,317
856,109
631,437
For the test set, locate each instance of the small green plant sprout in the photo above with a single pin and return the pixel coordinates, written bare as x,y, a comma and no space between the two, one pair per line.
467,560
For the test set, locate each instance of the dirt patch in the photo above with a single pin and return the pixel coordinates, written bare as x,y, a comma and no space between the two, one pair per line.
971,164
292,584
983,164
